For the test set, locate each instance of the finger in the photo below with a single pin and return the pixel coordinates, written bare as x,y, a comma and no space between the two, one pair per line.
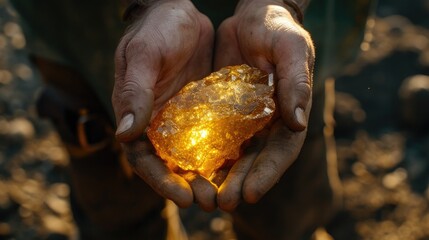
157,175
230,192
204,191
281,150
294,67
133,96
220,175
227,51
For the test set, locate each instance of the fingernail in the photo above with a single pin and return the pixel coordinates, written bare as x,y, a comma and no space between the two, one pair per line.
125,123
300,117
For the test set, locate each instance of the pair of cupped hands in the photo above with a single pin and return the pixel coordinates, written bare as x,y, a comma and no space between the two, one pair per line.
172,43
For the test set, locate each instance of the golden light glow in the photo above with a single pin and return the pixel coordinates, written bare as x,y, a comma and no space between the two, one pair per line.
197,136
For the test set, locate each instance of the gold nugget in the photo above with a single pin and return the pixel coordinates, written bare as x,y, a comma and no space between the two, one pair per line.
208,120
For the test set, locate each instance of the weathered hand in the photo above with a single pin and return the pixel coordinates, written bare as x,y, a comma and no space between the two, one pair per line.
264,34
168,45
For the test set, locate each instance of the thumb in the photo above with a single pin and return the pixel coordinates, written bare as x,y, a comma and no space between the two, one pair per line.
133,95
295,73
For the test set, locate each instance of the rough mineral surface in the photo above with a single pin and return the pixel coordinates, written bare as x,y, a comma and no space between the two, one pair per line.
208,120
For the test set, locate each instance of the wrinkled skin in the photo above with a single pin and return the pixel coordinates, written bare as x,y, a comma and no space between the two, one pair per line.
265,35
170,44
165,48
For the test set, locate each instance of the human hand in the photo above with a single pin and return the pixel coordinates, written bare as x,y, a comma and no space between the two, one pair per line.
264,34
167,46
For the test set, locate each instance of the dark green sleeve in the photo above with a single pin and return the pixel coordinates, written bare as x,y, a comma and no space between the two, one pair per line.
216,10
337,28
80,34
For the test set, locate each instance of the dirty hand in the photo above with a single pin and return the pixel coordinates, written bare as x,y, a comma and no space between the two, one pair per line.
264,34
169,44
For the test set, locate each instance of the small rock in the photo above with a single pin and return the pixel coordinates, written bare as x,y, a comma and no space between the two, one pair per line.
22,126
61,190
414,96
5,230
348,114
21,70
58,205
55,225
394,179
5,76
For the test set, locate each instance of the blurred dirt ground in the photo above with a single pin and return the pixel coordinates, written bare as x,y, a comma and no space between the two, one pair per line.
382,134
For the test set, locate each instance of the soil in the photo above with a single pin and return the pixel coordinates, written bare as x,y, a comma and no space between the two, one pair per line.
382,136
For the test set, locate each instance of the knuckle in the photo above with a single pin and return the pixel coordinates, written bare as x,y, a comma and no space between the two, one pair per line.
301,77
302,84
125,93
304,89
134,46
129,89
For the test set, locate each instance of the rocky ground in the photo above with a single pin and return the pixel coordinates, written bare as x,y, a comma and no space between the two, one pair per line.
382,134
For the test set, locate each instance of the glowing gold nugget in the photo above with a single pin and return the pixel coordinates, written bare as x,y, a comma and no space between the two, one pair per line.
208,120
